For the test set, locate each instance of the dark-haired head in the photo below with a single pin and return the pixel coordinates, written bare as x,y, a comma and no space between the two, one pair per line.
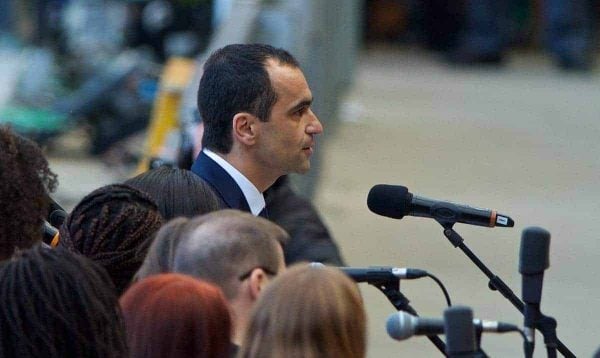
25,180
162,251
235,79
177,192
173,315
58,304
113,226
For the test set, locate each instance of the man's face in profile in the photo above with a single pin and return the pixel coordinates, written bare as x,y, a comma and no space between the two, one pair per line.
287,140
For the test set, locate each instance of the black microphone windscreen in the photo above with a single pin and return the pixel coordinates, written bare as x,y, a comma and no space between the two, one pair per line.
56,214
57,217
534,255
459,330
392,201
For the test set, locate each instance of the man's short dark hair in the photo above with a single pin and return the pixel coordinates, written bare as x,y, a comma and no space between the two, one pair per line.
235,80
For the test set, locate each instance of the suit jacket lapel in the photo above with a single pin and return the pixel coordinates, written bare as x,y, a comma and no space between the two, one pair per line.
221,181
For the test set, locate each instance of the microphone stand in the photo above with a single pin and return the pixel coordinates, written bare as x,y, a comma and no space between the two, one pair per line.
391,290
546,325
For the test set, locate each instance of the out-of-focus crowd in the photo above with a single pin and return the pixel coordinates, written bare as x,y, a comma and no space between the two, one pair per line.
152,268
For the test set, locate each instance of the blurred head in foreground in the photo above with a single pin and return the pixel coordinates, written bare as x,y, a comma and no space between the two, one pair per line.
161,254
58,304
113,226
238,252
177,192
25,180
307,312
174,315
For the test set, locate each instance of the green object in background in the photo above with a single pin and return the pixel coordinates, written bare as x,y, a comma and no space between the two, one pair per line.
32,120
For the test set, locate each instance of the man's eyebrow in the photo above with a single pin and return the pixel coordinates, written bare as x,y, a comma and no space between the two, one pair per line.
301,104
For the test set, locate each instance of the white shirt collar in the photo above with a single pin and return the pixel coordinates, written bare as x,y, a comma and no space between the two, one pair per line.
255,198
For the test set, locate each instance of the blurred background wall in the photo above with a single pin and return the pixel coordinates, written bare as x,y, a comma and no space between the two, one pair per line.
489,103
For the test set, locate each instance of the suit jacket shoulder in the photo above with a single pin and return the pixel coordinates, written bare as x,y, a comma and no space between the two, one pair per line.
225,187
310,239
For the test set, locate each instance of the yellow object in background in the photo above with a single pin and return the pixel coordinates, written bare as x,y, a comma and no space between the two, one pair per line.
177,74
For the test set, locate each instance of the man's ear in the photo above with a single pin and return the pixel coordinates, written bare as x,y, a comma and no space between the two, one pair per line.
244,128
258,282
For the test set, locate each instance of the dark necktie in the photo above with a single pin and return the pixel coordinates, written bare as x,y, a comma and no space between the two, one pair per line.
264,213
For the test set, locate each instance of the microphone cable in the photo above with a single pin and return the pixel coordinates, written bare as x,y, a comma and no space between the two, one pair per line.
442,287
522,332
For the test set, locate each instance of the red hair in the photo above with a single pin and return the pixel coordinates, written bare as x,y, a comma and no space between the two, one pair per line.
174,315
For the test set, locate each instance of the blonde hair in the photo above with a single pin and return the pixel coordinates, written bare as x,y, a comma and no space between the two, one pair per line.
307,312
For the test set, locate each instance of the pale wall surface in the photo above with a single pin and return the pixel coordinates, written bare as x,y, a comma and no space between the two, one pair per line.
523,140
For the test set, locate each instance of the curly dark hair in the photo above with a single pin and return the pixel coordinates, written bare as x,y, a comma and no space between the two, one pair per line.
25,181
113,226
58,304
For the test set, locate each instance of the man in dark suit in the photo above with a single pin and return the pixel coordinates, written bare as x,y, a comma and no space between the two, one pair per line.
258,126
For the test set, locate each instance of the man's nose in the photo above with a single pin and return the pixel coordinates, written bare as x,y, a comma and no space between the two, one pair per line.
315,126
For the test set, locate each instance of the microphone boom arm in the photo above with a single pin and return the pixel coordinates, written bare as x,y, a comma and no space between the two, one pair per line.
391,290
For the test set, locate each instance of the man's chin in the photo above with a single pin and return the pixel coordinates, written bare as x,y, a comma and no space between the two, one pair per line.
303,169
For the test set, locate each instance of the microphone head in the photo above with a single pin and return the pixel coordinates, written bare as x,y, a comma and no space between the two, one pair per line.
400,326
392,201
57,217
459,330
534,254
